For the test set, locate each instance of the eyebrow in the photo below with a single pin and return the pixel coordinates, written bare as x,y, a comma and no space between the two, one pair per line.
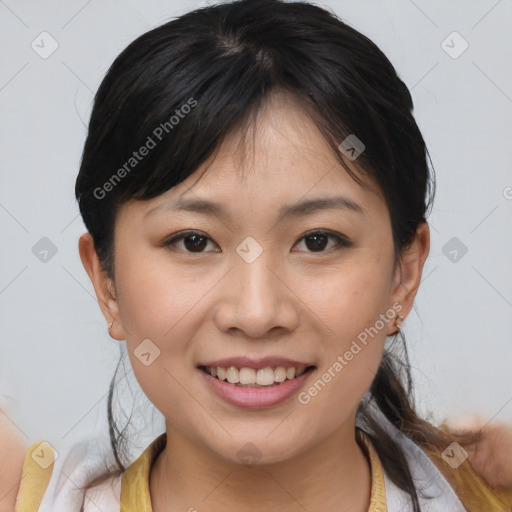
298,209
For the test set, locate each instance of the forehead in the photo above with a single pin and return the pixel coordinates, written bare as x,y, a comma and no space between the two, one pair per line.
279,148
276,157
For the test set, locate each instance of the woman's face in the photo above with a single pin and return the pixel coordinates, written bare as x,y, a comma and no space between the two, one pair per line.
256,289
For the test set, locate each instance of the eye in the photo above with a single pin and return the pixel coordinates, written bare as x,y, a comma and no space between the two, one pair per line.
193,241
317,240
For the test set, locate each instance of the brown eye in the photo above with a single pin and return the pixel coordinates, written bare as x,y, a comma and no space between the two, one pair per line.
193,241
317,241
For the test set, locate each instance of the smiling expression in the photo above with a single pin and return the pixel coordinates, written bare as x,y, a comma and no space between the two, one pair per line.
265,270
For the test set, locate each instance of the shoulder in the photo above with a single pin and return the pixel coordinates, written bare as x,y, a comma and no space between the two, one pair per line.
443,476
12,454
449,477
68,481
473,491
36,474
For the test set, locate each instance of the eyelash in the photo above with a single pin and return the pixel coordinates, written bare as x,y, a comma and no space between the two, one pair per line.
341,242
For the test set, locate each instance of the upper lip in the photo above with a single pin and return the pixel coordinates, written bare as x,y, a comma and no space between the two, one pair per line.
256,363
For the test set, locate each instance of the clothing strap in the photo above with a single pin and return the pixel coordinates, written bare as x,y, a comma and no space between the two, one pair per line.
378,492
37,471
134,485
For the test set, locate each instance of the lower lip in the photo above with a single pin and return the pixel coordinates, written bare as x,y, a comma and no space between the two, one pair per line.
254,398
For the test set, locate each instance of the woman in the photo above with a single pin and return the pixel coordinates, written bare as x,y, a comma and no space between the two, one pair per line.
255,190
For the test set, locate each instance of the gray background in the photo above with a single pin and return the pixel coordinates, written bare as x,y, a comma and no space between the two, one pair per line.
56,358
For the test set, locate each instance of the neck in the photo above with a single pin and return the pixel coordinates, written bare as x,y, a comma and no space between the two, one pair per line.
332,476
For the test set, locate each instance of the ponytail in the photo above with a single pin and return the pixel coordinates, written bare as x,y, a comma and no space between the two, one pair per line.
392,393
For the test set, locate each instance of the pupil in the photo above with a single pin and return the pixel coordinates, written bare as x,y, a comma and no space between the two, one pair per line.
195,245
317,245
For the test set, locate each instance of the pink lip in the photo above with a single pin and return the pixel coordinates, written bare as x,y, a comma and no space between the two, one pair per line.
254,398
247,362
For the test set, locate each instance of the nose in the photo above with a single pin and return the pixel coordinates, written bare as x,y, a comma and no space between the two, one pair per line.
257,300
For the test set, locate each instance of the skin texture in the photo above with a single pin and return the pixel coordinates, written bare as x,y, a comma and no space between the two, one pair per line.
12,454
290,302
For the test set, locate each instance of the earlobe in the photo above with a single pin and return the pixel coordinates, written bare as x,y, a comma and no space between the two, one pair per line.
409,269
103,286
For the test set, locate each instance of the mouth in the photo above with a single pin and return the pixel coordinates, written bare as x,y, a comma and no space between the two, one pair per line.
246,377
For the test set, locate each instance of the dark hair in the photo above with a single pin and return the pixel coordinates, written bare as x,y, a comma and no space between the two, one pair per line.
184,86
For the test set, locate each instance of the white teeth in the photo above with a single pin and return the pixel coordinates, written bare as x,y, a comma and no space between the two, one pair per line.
265,376
249,376
233,375
280,374
221,373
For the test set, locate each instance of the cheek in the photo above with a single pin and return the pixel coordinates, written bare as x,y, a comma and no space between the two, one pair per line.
155,310
353,305
334,395
349,298
156,297
161,303
349,365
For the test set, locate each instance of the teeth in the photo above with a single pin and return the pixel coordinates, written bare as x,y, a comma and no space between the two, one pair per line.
290,373
233,375
265,376
247,376
251,377
300,371
280,374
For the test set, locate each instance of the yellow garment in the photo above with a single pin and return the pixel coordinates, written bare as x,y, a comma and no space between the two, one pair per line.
37,470
473,492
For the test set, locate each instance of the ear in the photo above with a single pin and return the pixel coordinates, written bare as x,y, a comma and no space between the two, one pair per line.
103,286
408,271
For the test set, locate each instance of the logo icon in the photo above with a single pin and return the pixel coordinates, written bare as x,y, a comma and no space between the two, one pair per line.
44,250
455,455
351,147
454,45
249,454
249,250
454,249
44,45
146,352
44,454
